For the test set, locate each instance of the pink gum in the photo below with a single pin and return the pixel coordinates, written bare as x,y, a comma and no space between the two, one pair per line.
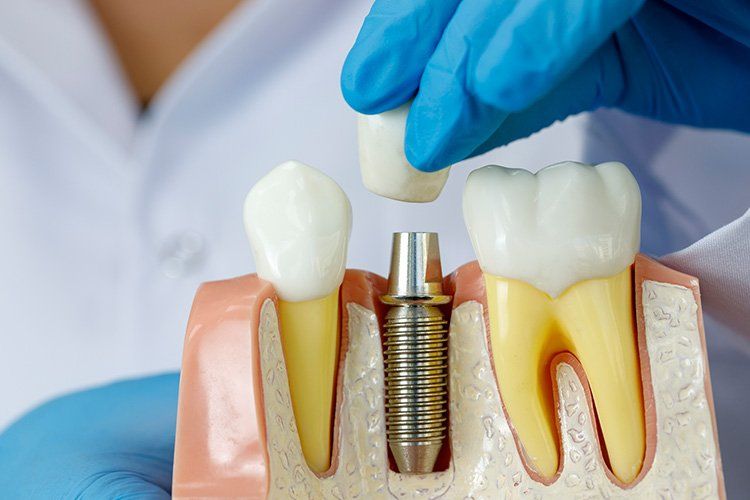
220,447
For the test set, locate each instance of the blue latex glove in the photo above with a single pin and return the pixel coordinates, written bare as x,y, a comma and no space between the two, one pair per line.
487,72
116,441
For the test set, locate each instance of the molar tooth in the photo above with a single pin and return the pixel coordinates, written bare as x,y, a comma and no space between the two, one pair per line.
568,223
298,221
556,249
383,164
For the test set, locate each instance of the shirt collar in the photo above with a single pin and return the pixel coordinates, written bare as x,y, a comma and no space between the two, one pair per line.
60,49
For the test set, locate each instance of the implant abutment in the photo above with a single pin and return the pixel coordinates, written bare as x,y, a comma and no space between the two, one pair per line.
416,353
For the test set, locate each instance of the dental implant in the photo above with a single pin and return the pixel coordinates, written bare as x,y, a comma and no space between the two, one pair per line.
416,353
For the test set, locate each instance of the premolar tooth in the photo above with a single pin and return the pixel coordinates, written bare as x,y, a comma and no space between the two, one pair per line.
556,250
383,164
298,221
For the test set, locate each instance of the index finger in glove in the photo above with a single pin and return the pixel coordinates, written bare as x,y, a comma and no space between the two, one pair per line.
383,68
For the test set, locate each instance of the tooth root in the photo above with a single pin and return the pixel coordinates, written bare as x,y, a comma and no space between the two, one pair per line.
593,320
520,321
310,340
597,317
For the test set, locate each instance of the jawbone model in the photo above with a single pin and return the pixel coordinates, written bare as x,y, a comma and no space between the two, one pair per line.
298,222
610,345
556,250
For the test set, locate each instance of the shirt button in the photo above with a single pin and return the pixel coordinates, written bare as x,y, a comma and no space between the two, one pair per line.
182,254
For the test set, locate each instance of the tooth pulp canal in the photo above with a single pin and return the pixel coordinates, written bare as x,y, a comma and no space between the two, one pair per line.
383,164
298,221
556,250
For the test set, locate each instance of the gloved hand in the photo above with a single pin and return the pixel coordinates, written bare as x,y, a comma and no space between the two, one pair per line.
115,441
487,72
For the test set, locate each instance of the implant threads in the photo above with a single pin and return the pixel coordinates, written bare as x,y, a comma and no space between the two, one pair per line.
416,385
416,353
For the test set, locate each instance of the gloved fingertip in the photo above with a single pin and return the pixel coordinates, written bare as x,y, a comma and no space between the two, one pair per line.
423,154
434,137
423,161
355,96
369,90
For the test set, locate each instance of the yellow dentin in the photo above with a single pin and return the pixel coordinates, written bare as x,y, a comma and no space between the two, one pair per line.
309,337
593,320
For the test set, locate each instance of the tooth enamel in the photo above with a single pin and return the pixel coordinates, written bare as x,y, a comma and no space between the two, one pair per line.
383,164
556,250
298,221
568,223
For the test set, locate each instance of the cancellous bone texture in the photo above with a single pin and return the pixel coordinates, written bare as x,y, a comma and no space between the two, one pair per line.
224,448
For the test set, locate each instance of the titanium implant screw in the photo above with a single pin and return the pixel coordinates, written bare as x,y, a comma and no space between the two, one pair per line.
416,353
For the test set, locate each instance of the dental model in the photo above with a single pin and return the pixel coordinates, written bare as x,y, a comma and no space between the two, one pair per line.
298,221
556,250
239,434
383,164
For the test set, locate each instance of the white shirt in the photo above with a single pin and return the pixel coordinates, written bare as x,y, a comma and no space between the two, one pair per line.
110,220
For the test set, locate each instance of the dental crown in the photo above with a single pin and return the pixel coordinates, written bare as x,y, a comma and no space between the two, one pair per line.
298,221
383,164
568,223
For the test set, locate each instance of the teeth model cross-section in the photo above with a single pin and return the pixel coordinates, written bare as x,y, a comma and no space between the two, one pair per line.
556,250
256,385
383,164
298,221
236,436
